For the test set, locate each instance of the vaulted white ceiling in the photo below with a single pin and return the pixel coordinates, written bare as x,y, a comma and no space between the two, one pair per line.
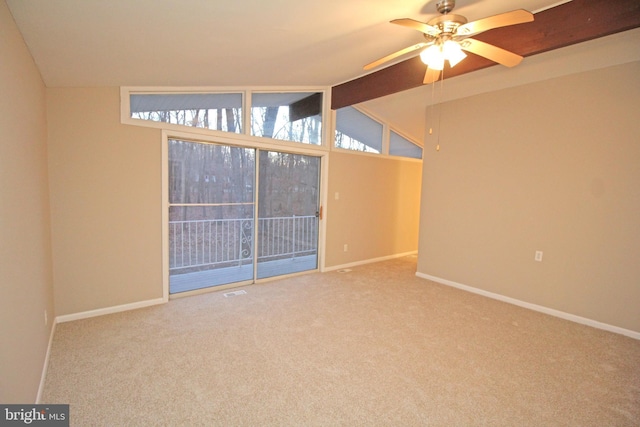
223,42
272,43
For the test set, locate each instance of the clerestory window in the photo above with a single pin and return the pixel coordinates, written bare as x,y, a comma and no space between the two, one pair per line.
287,116
402,147
357,131
215,111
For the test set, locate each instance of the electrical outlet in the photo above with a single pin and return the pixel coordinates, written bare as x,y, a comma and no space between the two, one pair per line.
337,195
46,318
538,256
346,247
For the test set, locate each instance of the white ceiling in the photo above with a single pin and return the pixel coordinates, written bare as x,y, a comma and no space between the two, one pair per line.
223,42
272,43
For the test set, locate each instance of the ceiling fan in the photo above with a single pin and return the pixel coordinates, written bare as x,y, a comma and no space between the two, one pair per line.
448,35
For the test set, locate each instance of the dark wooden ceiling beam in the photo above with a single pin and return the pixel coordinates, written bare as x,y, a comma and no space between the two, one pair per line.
306,107
570,23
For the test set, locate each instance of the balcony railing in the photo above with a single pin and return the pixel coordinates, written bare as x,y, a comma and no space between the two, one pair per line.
205,244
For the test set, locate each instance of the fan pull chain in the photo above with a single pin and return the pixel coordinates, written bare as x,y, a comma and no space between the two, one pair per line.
440,109
433,96
433,103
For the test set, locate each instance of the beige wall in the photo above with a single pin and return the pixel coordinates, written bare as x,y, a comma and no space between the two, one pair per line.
25,246
377,212
551,166
105,181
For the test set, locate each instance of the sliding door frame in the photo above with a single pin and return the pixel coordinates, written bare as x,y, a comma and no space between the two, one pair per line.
246,142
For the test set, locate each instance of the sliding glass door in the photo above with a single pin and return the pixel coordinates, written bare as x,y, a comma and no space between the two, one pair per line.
216,234
211,215
288,213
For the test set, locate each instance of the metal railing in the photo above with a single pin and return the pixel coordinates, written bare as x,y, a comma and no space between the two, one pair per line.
203,244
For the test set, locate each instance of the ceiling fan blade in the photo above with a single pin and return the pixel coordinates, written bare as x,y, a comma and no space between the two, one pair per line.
491,52
417,25
514,17
431,76
395,55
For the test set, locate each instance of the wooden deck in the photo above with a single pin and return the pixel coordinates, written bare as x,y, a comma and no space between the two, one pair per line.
222,276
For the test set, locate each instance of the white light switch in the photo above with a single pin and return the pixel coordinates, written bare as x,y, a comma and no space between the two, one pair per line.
538,256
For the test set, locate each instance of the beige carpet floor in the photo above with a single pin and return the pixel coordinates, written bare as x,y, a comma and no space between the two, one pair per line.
376,346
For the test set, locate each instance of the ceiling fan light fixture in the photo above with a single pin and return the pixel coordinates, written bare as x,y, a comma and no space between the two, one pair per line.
433,57
448,36
453,52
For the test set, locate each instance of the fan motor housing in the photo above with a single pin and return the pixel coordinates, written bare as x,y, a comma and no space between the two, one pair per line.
448,23
445,6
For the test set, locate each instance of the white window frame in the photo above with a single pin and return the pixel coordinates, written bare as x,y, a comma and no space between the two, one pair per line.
229,138
386,135
327,138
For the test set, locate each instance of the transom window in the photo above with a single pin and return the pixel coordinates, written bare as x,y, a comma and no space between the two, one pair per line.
288,116
215,111
401,146
293,117
357,131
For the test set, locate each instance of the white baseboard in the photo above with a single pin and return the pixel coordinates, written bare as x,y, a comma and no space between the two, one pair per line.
368,261
45,366
109,310
535,307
